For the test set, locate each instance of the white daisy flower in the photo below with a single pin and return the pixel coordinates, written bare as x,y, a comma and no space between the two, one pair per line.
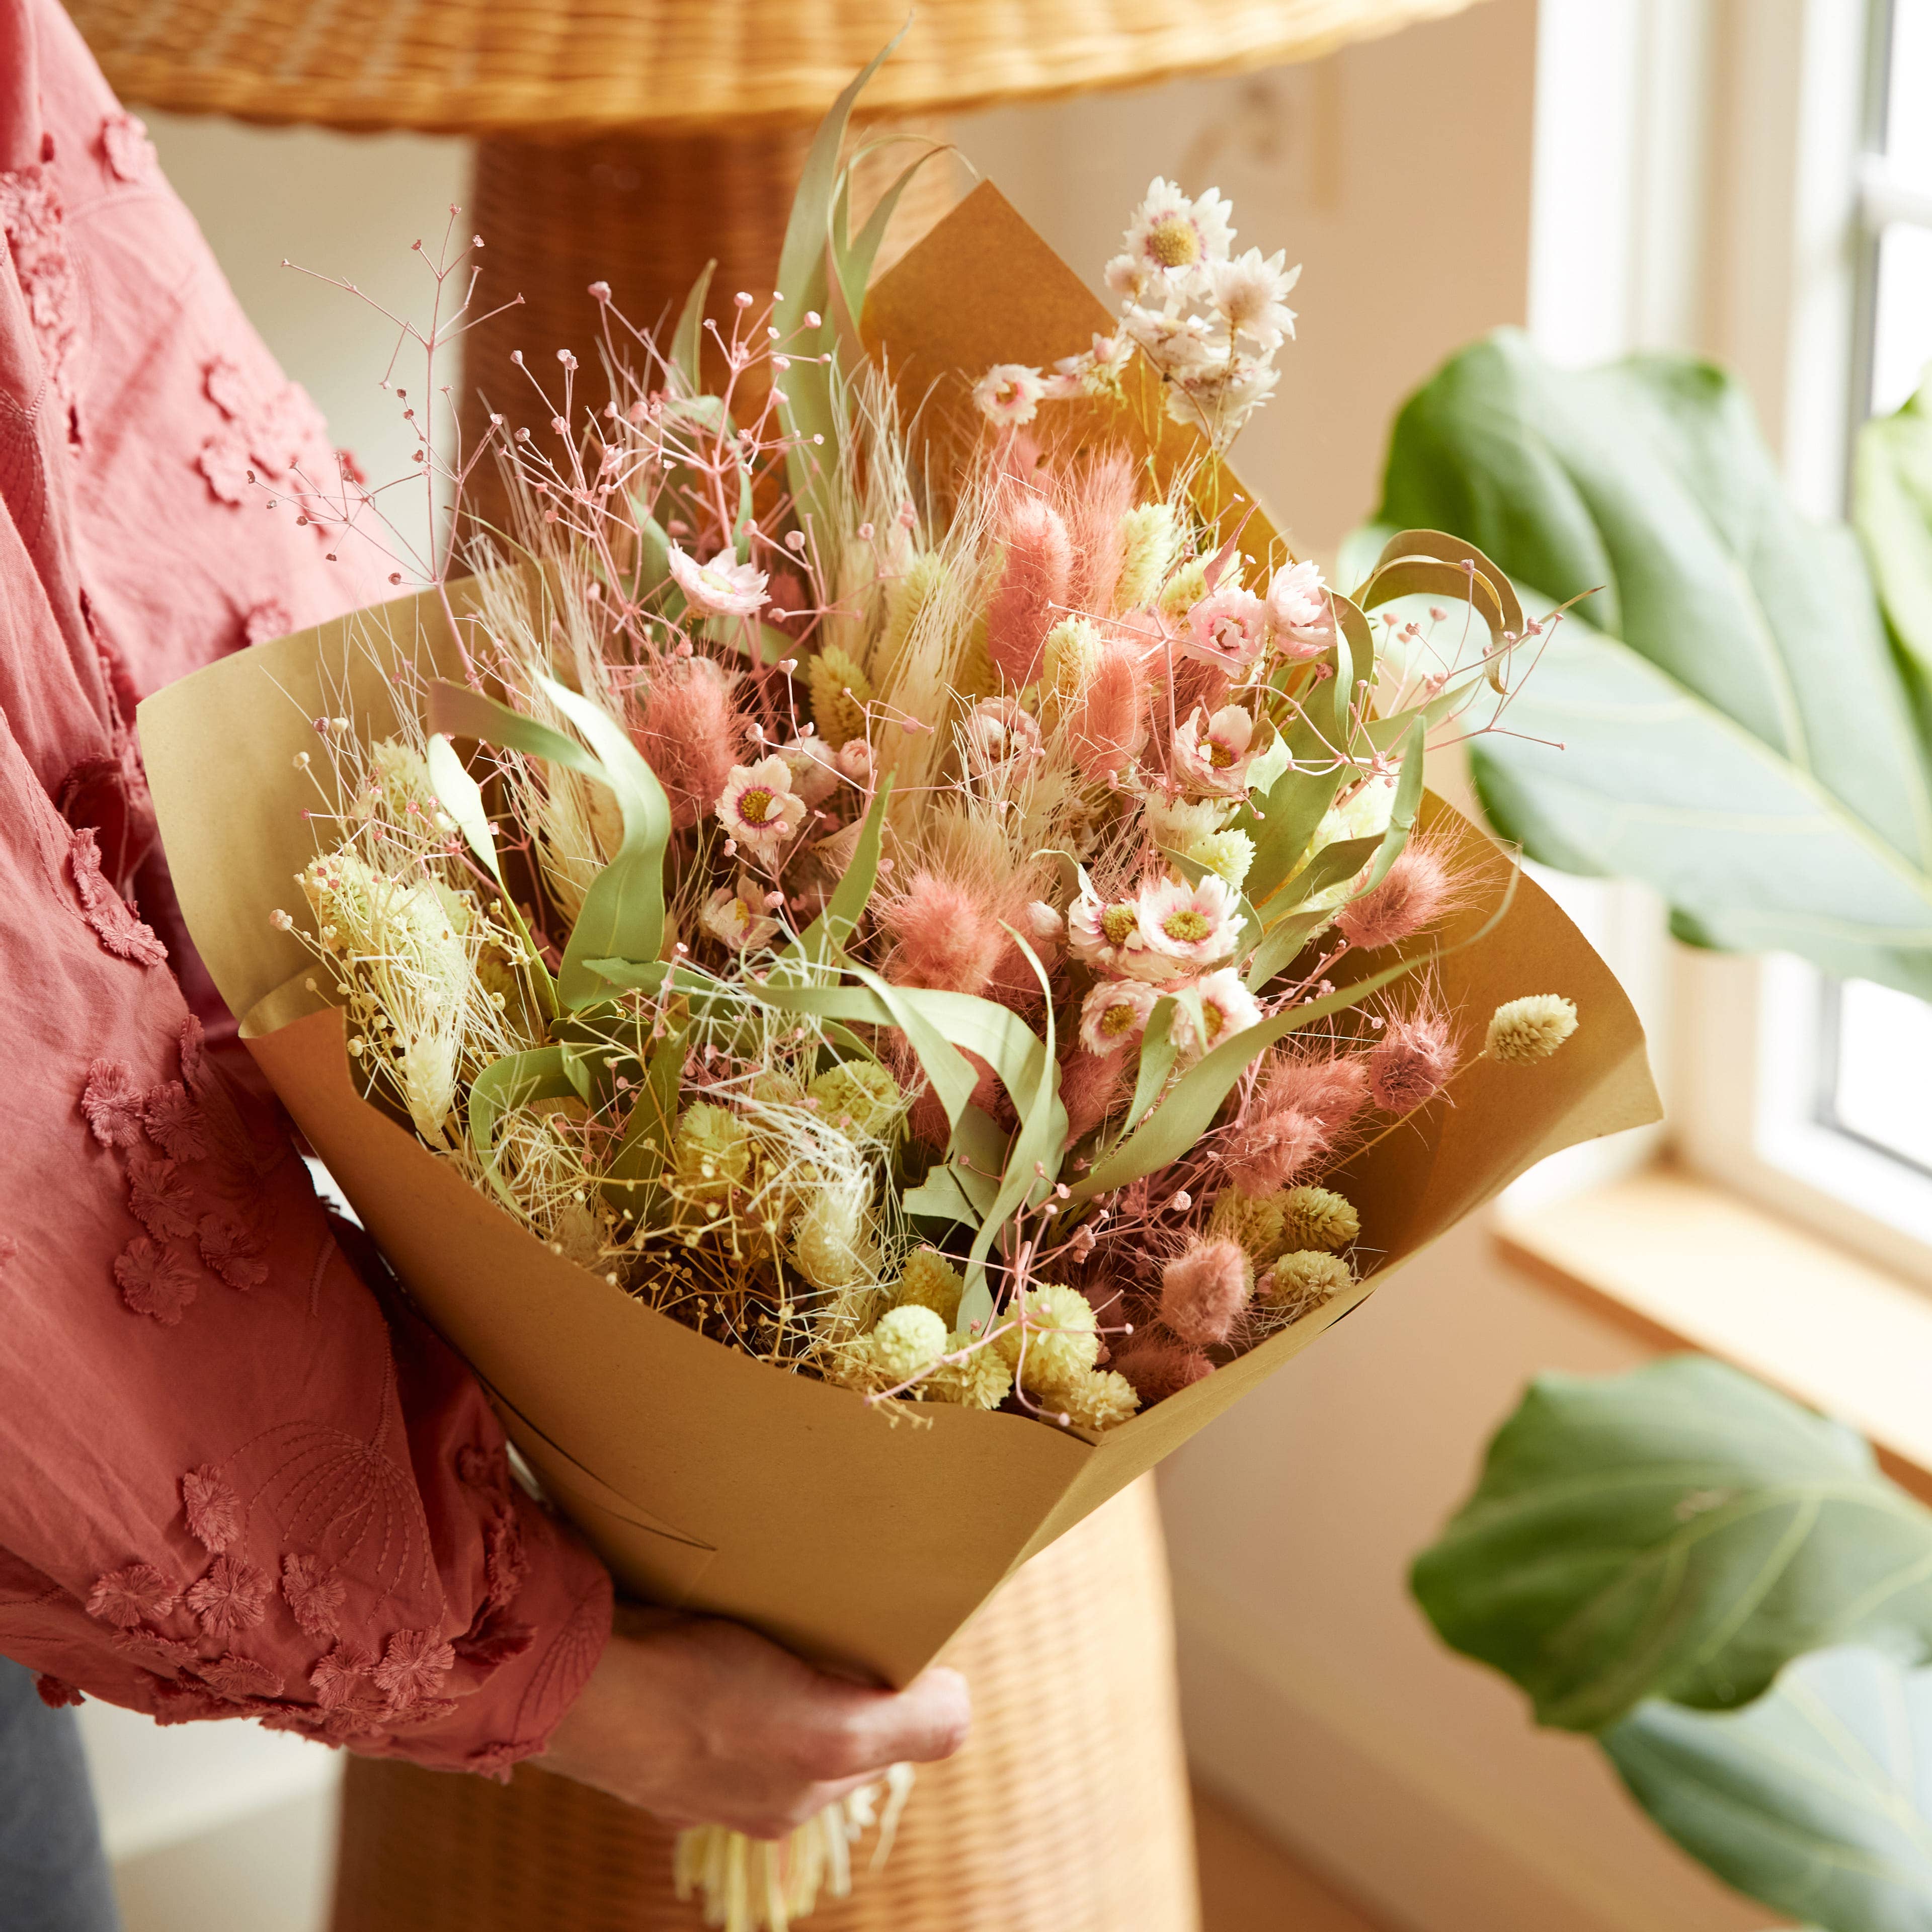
1009,394
736,916
1176,238
1106,935
1227,1006
1249,292
1114,1012
724,586
1193,926
759,808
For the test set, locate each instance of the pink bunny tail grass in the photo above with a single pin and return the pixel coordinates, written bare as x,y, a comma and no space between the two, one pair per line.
1420,888
1032,590
1093,499
1158,1368
943,936
1203,1292
1108,726
1091,1086
1331,1089
1414,1058
690,733
1268,1150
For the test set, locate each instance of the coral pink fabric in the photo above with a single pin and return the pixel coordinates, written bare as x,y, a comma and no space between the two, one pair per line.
232,1482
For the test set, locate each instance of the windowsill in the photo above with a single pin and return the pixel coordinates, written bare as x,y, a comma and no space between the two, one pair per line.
1682,1264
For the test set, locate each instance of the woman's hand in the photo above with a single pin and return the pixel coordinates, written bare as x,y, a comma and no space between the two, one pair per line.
701,1721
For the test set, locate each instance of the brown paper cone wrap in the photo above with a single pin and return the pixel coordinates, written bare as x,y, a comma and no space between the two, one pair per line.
707,1479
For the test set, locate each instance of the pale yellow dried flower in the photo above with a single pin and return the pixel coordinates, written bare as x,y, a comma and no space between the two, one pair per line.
1304,1280
860,1095
1316,1217
906,1340
1054,1338
1226,854
1151,540
1255,1223
840,692
980,1379
711,1153
1096,1400
1529,1029
930,1281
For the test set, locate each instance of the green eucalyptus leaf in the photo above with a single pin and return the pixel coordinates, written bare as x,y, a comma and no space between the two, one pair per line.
1158,1052
820,947
687,340
1680,1531
1892,507
1284,822
1815,1801
1724,717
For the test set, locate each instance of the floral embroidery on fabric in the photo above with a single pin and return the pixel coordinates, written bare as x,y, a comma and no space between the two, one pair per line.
151,1648
126,148
213,1509
239,1677
30,215
337,1673
505,1564
223,460
155,1280
229,1248
227,388
193,1054
160,1198
125,1597
56,1691
114,923
269,619
314,1592
184,1703
112,1104
414,1664
175,1124
233,1596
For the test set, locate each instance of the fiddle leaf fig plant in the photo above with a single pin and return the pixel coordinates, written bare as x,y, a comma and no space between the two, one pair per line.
1726,713
1675,1560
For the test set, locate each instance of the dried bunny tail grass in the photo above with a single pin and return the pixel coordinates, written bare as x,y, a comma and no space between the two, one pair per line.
1416,1055
691,732
943,935
1151,537
1094,497
1203,1290
1421,888
1033,585
1314,1079
1106,728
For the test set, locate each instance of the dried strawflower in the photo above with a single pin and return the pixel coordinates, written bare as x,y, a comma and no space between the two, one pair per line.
736,916
1317,1217
1531,1028
1009,394
1185,926
758,808
1300,625
724,586
1115,1013
1227,627
1203,1290
1213,754
1227,1008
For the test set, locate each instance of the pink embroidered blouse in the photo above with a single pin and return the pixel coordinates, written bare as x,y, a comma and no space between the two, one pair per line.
236,1479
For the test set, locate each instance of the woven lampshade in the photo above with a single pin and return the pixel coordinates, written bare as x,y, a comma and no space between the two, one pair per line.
1067,1811
561,69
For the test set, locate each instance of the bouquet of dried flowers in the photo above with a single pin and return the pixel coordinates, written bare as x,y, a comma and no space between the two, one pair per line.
942,903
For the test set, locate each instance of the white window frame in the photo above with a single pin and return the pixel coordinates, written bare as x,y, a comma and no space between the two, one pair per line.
1806,203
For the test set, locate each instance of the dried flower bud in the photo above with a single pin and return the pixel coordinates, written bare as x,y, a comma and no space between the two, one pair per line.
1530,1029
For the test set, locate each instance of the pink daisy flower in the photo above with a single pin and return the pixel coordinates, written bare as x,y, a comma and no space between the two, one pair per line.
1106,934
1009,394
1194,927
1227,1006
1228,627
1213,754
1115,1013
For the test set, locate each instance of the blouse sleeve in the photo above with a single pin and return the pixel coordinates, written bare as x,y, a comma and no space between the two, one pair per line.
236,1479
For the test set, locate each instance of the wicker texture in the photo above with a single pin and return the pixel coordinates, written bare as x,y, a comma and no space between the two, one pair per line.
1067,1812
567,67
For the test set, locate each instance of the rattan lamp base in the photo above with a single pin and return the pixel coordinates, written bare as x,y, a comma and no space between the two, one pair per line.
1067,1811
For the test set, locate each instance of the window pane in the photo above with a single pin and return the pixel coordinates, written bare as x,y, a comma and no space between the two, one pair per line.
1908,124
1883,1072
1902,314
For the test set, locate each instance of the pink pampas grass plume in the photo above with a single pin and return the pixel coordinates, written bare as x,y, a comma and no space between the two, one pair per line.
1093,499
1419,889
942,935
1091,1086
1108,725
690,733
1158,1369
1033,590
1203,1292
1268,1149
1414,1059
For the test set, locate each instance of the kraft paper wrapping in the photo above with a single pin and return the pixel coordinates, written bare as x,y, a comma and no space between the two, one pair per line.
707,1479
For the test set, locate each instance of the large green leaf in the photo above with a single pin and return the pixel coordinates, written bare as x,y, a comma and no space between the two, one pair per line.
1727,721
1680,1531
1892,504
1817,1800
